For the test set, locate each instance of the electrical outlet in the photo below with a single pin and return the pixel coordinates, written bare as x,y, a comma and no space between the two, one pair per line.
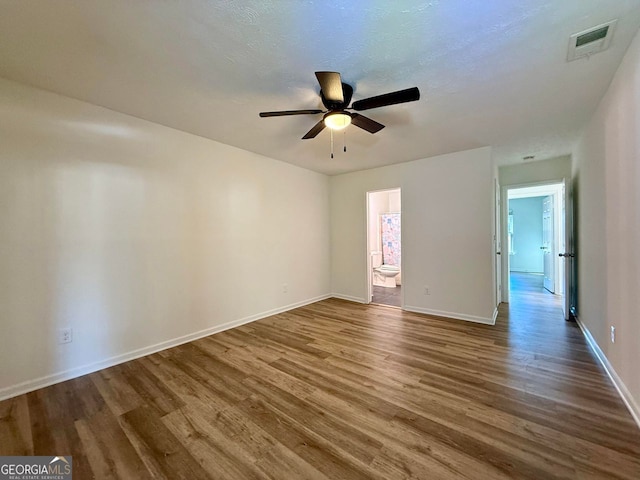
613,334
65,335
426,290
285,288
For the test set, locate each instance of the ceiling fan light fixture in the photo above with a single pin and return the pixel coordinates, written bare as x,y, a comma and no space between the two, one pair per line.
337,120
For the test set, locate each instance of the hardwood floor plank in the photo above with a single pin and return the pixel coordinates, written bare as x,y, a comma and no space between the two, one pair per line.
151,390
117,393
241,430
420,462
349,353
517,459
162,453
404,442
244,361
53,412
219,377
287,341
581,451
41,431
338,431
337,385
218,455
304,442
15,427
282,462
108,449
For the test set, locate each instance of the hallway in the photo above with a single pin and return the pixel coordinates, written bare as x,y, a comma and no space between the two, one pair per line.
528,288
530,302
535,321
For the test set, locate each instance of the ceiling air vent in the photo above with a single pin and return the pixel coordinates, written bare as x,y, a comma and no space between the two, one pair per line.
593,40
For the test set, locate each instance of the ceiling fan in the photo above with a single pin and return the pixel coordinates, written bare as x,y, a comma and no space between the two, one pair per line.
336,97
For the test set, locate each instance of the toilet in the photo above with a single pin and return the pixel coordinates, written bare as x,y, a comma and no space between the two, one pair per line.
388,270
383,275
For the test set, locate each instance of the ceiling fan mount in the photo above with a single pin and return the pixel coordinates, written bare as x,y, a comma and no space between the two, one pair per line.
336,97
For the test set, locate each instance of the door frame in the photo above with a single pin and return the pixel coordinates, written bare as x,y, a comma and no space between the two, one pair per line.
497,241
369,273
556,241
561,205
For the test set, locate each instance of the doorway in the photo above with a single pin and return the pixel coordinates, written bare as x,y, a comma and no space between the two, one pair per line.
535,238
384,247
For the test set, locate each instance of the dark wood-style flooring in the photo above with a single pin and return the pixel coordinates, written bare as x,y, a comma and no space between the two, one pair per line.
342,390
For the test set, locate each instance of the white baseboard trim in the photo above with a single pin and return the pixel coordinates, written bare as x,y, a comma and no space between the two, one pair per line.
348,298
457,316
624,393
31,385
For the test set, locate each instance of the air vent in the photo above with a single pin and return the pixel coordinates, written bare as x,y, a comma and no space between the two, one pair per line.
593,40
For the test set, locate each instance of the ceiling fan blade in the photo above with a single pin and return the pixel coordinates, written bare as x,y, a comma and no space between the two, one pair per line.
401,96
366,123
289,112
317,128
331,85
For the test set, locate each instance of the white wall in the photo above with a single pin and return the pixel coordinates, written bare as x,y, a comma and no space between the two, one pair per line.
526,255
378,203
135,234
554,169
607,180
395,201
447,204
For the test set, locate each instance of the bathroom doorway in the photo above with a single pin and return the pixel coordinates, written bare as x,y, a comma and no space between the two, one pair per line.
384,273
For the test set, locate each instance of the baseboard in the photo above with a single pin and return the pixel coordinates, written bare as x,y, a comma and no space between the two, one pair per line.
457,316
494,317
348,298
624,393
31,385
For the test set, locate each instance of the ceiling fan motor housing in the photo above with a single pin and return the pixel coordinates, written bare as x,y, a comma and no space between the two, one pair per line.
347,93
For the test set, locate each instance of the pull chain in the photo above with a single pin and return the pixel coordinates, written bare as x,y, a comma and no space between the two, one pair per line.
331,143
344,139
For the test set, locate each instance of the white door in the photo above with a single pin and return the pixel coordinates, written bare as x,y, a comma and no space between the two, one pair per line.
498,245
548,234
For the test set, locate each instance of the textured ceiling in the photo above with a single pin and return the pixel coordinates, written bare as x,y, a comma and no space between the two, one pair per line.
490,72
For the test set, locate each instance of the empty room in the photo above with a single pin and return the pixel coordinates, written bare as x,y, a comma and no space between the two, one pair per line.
295,239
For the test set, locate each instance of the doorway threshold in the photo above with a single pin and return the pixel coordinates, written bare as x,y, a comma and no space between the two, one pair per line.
396,307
